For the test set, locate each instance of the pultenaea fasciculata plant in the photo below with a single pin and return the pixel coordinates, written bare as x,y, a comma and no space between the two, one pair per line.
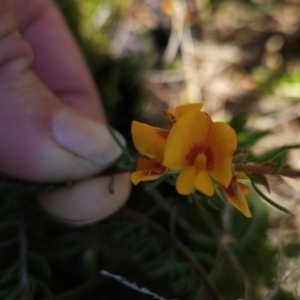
201,155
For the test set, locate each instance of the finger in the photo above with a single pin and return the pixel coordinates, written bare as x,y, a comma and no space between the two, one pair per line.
57,60
67,203
41,138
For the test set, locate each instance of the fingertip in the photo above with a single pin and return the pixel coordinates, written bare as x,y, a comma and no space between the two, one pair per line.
87,201
54,144
85,138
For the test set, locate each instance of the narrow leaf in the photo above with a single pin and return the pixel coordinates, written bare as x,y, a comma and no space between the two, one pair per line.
267,199
156,182
111,185
280,163
280,150
124,149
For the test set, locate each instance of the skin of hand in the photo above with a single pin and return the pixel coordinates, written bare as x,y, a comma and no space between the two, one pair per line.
52,125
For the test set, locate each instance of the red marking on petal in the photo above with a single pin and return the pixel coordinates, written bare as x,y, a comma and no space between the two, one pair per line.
162,133
157,171
196,149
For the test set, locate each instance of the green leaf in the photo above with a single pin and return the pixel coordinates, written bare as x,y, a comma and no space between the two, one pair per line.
279,164
120,144
262,195
156,182
281,150
111,185
248,138
212,205
238,122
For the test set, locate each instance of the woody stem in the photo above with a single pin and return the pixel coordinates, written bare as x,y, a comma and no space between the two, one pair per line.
266,169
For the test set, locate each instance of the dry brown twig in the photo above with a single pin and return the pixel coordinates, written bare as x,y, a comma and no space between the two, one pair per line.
266,169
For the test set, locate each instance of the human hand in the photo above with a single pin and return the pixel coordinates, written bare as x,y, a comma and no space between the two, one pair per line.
52,125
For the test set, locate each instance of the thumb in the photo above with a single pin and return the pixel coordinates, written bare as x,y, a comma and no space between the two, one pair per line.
47,141
41,138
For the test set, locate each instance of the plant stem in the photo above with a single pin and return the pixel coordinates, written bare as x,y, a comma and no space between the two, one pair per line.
266,169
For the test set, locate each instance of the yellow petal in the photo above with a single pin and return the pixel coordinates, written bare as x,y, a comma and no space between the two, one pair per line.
185,181
235,197
139,176
204,184
149,140
186,137
222,142
186,108
147,170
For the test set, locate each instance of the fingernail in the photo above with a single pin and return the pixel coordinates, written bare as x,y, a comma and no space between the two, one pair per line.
85,137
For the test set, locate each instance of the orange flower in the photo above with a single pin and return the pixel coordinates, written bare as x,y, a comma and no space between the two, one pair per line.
150,141
200,149
235,194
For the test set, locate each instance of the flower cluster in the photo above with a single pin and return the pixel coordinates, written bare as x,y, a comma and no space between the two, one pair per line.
199,150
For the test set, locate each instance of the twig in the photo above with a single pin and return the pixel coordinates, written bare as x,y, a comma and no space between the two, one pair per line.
266,169
128,213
